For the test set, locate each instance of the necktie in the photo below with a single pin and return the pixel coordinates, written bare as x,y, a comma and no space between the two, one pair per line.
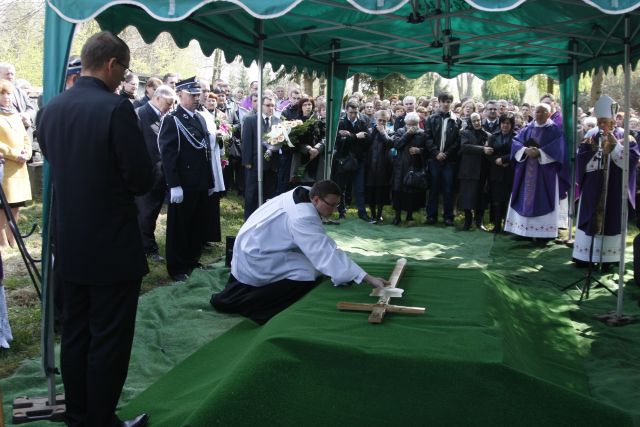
266,123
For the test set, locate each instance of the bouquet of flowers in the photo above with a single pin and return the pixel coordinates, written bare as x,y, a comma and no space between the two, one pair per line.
278,135
224,130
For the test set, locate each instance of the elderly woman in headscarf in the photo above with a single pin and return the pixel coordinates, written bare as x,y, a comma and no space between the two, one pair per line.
472,171
16,148
409,144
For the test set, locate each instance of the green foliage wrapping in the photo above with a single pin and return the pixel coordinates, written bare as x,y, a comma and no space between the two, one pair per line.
303,134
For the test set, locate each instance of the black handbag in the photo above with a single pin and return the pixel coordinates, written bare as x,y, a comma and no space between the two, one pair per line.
346,164
416,179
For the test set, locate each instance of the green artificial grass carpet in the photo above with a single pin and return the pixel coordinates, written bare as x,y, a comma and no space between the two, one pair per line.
499,344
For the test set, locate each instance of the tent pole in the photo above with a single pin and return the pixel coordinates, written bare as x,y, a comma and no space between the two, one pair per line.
574,131
625,169
260,27
328,143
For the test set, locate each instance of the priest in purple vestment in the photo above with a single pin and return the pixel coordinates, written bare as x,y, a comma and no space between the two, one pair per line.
540,177
599,165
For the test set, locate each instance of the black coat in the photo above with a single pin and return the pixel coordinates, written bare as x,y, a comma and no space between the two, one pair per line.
184,165
500,177
351,144
150,126
491,127
433,130
403,161
473,162
378,164
99,162
249,148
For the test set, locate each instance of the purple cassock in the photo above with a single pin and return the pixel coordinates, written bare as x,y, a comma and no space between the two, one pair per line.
534,184
591,185
246,103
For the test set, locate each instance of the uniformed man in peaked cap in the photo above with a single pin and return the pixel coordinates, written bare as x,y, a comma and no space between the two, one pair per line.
185,149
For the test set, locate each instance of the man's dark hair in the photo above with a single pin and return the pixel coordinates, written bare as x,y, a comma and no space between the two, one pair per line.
445,96
507,118
324,188
166,76
352,105
100,48
525,104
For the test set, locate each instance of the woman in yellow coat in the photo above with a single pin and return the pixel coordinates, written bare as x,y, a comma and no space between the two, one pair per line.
16,148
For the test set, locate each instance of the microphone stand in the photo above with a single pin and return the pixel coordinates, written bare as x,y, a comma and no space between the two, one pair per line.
595,229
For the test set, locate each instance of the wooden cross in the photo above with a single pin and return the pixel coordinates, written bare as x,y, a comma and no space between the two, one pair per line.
379,309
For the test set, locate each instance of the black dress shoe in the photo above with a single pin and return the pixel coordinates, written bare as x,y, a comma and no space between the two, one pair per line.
396,221
466,227
430,221
179,277
448,222
364,217
140,421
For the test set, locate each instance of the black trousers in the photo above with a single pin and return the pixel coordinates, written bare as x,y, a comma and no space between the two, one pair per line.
149,206
186,232
98,332
260,303
269,189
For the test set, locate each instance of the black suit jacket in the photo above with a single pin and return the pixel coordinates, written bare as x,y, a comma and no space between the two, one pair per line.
150,126
184,165
351,144
249,136
98,160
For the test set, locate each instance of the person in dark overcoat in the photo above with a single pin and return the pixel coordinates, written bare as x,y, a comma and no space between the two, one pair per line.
270,161
501,169
409,143
98,163
185,149
472,171
378,167
149,205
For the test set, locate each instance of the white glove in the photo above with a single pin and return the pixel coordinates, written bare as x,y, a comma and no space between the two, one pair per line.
176,195
210,191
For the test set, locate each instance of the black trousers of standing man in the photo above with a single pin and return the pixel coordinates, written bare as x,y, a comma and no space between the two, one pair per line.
186,223
149,206
99,323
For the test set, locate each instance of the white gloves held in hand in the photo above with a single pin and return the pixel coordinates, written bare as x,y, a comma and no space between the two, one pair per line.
177,195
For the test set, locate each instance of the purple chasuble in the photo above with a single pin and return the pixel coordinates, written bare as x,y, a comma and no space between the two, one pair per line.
534,185
591,185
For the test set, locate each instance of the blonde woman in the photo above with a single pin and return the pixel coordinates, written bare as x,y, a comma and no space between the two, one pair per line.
16,148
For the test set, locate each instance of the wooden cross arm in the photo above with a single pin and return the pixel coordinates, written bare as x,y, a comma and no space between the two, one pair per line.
355,306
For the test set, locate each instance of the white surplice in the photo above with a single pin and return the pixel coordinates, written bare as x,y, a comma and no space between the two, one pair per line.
286,240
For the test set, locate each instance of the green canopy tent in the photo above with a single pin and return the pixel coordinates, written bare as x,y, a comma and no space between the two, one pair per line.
560,38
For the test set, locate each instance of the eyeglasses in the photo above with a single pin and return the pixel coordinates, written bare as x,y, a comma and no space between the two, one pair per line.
268,105
331,205
127,69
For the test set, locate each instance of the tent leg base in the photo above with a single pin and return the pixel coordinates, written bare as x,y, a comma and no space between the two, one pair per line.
27,409
612,319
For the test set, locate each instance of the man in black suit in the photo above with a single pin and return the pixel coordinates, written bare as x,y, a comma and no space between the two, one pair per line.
149,204
98,160
250,158
185,150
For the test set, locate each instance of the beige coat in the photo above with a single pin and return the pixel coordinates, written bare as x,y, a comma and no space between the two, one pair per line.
13,141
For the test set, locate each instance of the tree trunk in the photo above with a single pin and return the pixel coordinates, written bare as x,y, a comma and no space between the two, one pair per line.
380,84
217,65
308,84
323,87
460,85
597,81
549,85
469,89
356,83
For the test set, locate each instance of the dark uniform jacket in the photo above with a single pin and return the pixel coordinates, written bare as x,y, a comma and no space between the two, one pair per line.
98,159
150,126
433,130
184,164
